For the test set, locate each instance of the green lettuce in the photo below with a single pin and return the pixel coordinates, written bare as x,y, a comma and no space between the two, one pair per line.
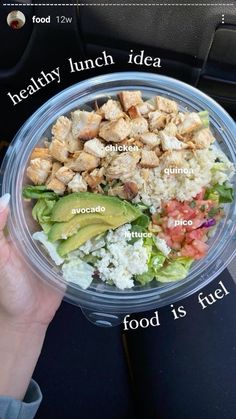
224,192
175,270
78,272
213,196
142,221
139,226
146,277
37,192
204,116
156,260
42,213
46,227
142,207
136,229
42,210
219,167
91,259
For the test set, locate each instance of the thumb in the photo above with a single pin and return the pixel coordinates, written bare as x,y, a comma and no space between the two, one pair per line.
4,248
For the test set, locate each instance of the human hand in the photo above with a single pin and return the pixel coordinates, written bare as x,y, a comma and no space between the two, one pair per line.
24,298
27,305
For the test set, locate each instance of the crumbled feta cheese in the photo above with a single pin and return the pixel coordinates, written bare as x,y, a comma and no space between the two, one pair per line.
119,261
92,245
162,246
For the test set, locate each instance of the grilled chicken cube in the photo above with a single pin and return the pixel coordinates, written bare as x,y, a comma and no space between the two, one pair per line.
73,144
171,129
203,138
95,147
149,159
39,170
122,166
134,112
157,151
130,190
150,139
40,153
145,108
117,190
83,162
127,191
65,175
130,98
85,125
111,110
173,158
115,131
58,150
56,186
191,122
145,173
61,128
55,167
166,105
78,184
171,143
94,178
138,126
157,120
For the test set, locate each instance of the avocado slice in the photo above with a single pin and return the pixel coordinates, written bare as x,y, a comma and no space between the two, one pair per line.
66,229
84,234
63,209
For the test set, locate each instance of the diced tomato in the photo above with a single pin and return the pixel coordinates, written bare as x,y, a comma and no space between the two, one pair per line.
195,235
200,195
196,223
177,234
195,250
176,245
170,206
188,251
188,212
176,214
200,246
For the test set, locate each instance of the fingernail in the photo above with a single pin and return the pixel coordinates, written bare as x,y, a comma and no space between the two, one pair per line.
4,201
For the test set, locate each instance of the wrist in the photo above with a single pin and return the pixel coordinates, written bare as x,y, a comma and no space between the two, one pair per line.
22,326
20,348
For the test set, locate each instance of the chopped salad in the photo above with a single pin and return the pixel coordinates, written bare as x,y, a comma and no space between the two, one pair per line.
128,193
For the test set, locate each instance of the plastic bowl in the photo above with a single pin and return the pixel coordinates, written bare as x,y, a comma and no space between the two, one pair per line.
103,304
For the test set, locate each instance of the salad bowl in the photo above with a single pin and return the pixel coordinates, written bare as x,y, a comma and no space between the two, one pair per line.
105,302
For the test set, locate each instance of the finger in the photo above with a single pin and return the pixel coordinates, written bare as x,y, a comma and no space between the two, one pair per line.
4,210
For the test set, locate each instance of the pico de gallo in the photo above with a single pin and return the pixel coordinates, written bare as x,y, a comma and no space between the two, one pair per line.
185,225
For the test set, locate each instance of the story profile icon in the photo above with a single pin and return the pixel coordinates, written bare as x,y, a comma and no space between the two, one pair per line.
16,19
